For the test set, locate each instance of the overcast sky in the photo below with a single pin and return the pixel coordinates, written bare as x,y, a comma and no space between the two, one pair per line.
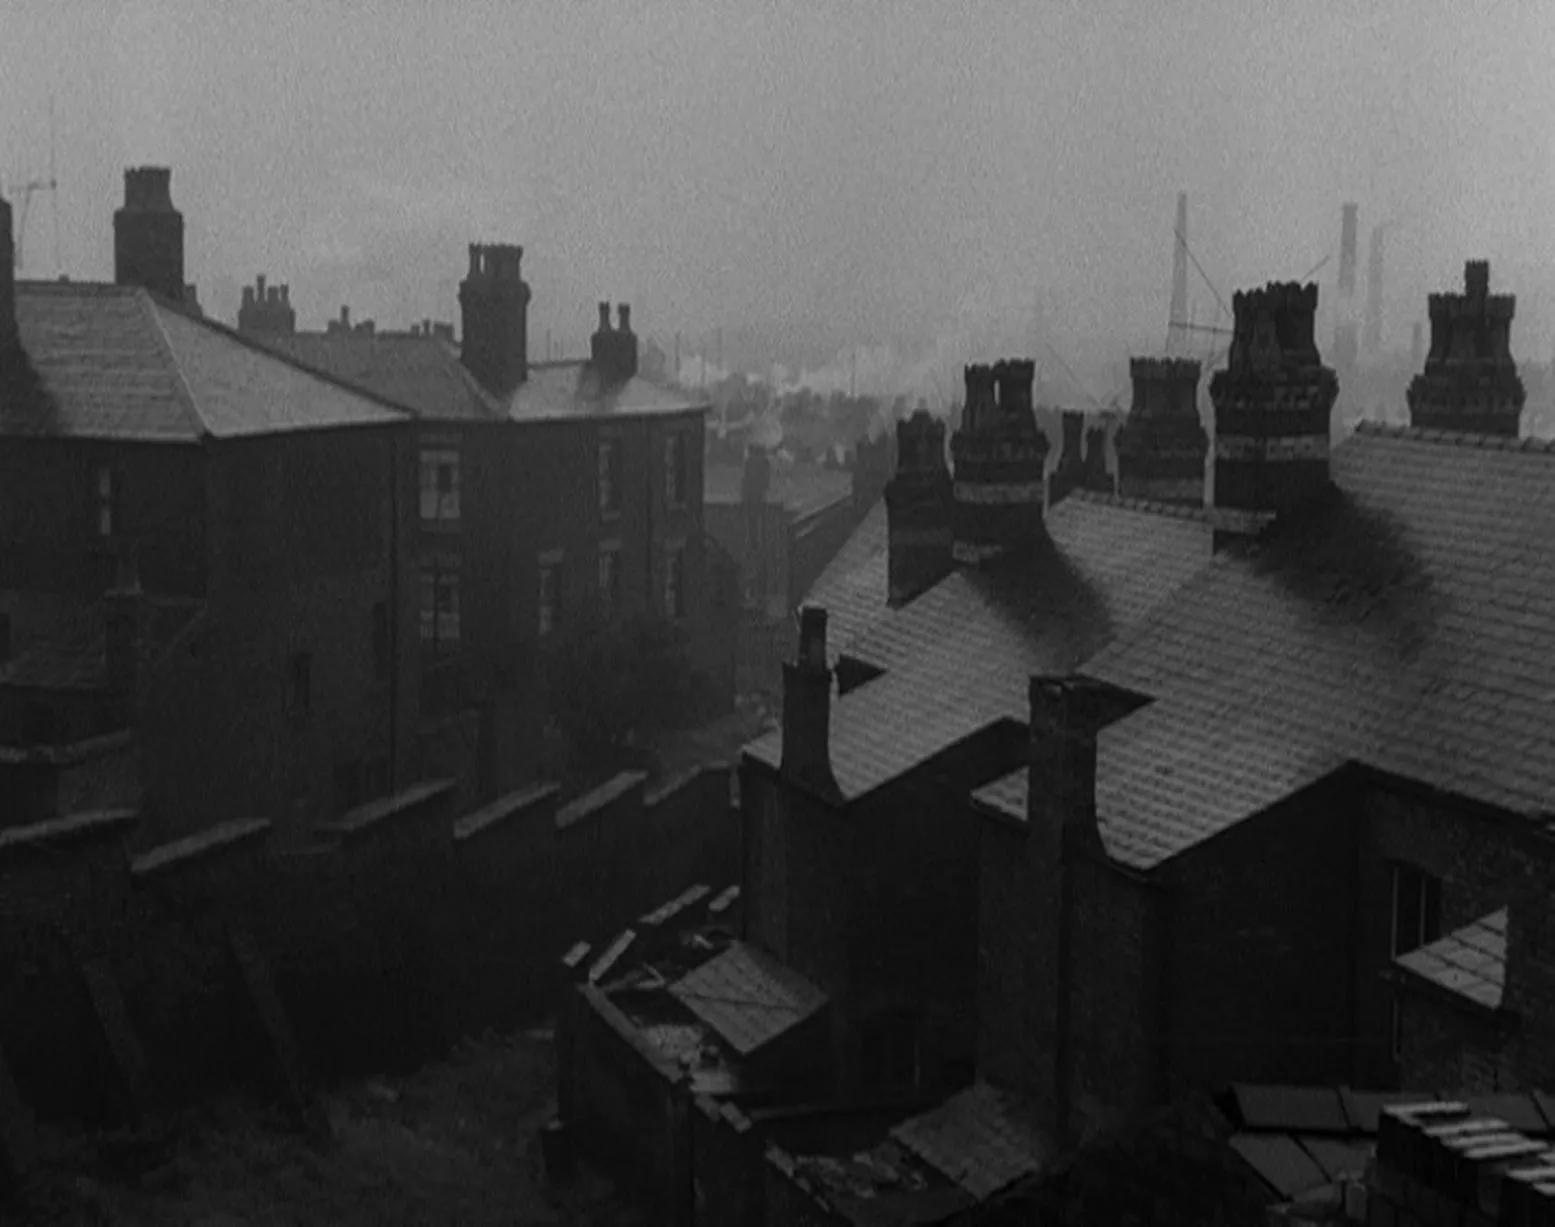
859,170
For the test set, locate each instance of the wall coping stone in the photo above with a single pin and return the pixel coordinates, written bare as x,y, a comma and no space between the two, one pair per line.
586,806
201,846
88,825
493,815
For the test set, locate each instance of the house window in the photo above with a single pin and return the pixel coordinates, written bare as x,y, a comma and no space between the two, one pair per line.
675,583
610,576
439,486
609,477
299,685
550,593
675,474
1417,909
440,606
105,501
381,641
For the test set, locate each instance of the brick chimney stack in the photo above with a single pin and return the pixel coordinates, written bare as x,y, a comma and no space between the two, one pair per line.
918,501
1273,404
494,301
1029,906
807,709
626,344
1470,381
148,235
999,461
8,338
267,310
1162,446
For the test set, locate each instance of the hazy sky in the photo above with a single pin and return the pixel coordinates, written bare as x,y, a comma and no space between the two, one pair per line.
872,170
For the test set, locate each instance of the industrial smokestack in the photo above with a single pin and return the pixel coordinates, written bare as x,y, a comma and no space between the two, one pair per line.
1347,251
1176,333
1372,338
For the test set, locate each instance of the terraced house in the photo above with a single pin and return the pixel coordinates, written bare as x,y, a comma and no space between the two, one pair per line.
1120,800
200,606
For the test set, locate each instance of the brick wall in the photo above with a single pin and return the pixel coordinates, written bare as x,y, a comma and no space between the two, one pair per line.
1453,1044
631,1108
1484,863
1261,985
402,928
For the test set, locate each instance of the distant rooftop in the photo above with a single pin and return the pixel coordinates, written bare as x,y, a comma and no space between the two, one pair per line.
423,373
799,487
557,391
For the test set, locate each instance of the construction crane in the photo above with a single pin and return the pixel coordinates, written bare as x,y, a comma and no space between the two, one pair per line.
30,188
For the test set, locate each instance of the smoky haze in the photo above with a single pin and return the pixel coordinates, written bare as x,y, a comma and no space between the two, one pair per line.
926,183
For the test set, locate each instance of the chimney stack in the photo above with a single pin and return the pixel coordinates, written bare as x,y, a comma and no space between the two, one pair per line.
266,309
494,299
1416,347
807,710
626,344
918,500
999,462
8,335
1273,403
1470,381
148,235
1162,446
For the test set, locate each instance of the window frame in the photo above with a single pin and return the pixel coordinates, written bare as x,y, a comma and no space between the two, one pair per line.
673,594
107,501
1427,923
607,476
439,508
677,470
609,589
548,607
437,569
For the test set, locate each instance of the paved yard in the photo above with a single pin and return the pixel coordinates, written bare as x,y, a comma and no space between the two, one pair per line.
454,1143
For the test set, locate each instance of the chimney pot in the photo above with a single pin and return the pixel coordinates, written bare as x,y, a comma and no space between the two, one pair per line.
259,282
248,296
604,317
286,295
624,315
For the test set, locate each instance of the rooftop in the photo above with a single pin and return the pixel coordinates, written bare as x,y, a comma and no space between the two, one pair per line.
1470,961
557,391
1418,600
854,586
114,362
422,373
958,658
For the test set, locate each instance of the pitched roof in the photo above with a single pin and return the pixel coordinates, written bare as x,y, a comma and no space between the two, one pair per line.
560,390
855,584
1470,961
1408,623
114,362
422,373
747,997
958,658
981,1138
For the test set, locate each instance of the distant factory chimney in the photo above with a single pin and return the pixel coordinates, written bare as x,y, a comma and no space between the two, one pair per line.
1177,339
1372,338
1347,241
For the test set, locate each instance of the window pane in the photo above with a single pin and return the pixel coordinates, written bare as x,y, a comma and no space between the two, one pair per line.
1406,910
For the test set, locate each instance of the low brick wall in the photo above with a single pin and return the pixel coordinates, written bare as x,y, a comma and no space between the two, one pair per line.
402,926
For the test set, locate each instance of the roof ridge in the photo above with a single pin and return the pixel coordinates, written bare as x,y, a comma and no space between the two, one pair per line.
258,346
153,306
1455,438
1178,511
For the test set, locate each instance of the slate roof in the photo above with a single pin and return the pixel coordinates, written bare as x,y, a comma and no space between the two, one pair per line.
958,658
799,487
114,362
1408,624
422,373
556,391
1470,961
855,584
982,1139
747,997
